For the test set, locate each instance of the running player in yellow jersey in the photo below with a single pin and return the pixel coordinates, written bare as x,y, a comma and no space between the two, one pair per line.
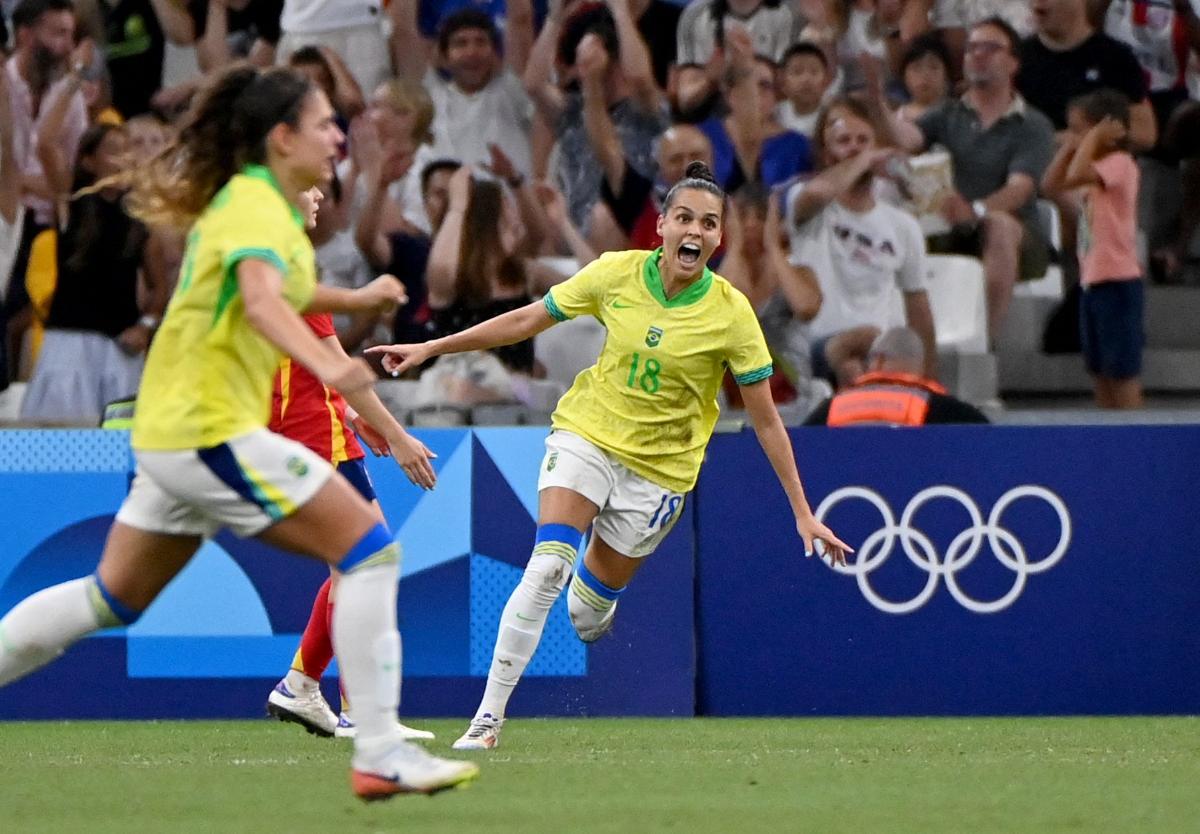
629,436
251,144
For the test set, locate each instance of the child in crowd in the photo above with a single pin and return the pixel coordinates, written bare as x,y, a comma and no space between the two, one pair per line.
1094,156
804,77
925,74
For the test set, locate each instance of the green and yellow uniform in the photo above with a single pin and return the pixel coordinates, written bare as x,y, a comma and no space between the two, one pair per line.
209,373
651,398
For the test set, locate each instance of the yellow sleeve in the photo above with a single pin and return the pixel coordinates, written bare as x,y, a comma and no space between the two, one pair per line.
746,351
583,293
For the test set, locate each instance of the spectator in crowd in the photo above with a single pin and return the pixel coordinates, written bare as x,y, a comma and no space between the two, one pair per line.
784,296
631,202
949,20
925,75
148,135
403,253
1094,156
1066,57
11,210
999,148
1163,37
859,33
480,99
349,29
602,63
894,391
476,271
862,250
749,145
329,72
96,335
701,54
804,79
227,29
132,36
1183,143
43,67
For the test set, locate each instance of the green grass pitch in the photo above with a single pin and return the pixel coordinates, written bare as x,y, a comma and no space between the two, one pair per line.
575,776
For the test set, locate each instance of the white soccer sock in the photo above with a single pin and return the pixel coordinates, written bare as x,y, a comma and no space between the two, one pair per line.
299,682
42,626
367,645
522,623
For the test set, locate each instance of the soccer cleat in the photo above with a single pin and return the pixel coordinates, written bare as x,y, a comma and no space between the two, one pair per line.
591,635
306,708
346,729
406,768
483,734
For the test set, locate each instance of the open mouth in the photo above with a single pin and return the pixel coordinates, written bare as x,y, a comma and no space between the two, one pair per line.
689,254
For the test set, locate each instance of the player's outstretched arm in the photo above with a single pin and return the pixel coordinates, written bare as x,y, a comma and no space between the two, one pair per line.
369,417
510,328
772,436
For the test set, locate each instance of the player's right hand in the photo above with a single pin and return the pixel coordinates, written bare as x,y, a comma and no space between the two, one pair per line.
349,375
413,457
383,295
399,358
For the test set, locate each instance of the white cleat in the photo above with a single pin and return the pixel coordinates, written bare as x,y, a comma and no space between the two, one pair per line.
591,635
346,729
406,768
483,734
308,708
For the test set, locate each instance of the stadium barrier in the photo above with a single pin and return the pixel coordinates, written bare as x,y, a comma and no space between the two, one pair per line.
999,571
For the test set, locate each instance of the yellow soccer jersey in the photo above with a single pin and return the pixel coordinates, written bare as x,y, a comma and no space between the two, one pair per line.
651,398
209,373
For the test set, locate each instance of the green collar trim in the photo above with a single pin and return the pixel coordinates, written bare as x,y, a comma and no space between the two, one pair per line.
654,284
263,174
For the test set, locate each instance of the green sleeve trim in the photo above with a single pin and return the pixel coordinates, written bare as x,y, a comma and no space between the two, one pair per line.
757,375
552,308
255,253
229,283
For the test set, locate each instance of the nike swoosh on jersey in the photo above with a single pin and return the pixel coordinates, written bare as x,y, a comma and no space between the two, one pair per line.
621,306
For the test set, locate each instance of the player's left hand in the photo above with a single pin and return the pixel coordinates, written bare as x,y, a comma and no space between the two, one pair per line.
413,457
812,531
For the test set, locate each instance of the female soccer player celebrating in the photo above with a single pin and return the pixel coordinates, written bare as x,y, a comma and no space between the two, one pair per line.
629,436
252,142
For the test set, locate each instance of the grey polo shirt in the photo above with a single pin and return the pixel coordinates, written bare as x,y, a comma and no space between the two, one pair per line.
1020,141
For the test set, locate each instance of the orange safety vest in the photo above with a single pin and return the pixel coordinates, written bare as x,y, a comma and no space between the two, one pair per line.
883,399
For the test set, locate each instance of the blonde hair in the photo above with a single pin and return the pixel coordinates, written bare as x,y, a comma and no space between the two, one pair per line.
406,96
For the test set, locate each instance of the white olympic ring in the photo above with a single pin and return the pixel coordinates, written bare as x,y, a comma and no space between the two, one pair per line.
963,549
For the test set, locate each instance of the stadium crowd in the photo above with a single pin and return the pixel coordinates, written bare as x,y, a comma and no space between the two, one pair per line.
494,148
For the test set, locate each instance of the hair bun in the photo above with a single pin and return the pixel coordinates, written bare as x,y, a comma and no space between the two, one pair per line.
699,171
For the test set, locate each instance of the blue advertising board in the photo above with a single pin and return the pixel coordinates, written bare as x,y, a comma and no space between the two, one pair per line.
999,571
225,630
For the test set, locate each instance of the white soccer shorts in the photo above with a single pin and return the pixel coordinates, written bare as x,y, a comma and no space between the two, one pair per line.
635,514
246,484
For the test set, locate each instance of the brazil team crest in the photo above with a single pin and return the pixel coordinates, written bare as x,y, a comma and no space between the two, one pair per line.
653,336
552,461
297,467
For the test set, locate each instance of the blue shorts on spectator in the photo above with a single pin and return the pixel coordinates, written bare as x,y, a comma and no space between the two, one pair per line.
1110,328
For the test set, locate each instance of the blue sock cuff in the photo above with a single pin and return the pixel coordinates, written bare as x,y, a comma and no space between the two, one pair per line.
375,547
564,533
585,576
120,610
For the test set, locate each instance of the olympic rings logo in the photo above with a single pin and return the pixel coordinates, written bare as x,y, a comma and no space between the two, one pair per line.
963,549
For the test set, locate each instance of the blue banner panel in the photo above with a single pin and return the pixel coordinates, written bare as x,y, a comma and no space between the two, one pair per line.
999,571
225,629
